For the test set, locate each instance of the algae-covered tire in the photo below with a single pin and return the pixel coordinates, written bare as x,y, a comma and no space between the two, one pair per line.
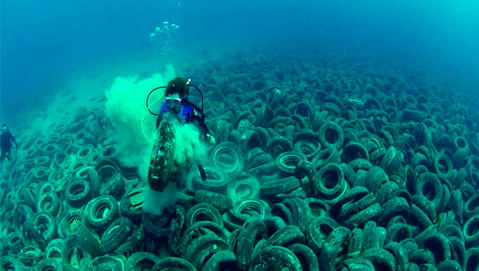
108,262
50,203
116,234
470,230
251,233
331,135
160,171
216,180
10,263
221,202
227,156
458,250
46,222
203,212
222,260
300,212
306,256
275,258
203,248
78,193
177,226
142,261
318,231
330,184
101,212
54,249
472,258
287,162
276,186
173,263
286,236
380,257
75,254
69,222
48,264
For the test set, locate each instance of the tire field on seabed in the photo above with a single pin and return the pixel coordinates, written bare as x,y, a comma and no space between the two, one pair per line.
317,166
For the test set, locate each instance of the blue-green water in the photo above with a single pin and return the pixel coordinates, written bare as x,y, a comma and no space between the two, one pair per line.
341,135
44,43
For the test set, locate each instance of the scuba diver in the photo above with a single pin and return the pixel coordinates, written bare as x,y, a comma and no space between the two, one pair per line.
7,143
175,149
176,104
176,109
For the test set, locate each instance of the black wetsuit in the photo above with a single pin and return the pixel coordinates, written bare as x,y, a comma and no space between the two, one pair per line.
6,145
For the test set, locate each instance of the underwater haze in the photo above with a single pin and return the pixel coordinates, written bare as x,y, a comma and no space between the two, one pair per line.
48,45
294,135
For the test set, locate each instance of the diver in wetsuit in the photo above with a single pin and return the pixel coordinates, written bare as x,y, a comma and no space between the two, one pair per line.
7,143
175,107
177,103
162,178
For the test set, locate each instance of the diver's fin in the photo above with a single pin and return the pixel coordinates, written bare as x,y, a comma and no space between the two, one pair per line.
136,198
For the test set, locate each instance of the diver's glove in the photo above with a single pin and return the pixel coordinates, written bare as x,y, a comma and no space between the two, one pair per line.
211,139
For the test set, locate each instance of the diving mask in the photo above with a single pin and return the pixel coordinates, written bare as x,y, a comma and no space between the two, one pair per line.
173,103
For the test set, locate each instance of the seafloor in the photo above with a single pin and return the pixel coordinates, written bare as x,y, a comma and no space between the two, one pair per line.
321,163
